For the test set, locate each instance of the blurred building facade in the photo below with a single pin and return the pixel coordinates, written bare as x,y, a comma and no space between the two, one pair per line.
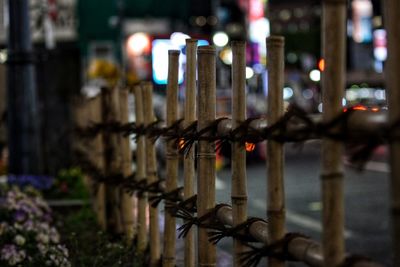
70,34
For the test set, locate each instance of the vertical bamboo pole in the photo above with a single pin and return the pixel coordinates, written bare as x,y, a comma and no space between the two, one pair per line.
188,162
206,150
239,178
275,159
333,81
126,154
152,177
141,171
100,194
111,113
392,15
172,157
92,114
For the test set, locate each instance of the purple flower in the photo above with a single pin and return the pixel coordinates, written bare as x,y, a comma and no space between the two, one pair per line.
39,182
8,251
20,216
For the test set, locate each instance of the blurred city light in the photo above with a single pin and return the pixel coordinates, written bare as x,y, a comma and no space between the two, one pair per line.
138,43
160,61
3,56
258,68
226,55
202,42
178,39
351,95
220,39
287,93
321,65
201,21
250,147
380,94
308,94
380,49
315,75
356,93
362,20
160,49
364,93
359,107
259,30
249,72
320,107
291,57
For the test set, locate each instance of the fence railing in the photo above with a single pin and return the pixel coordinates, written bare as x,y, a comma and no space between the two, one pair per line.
123,198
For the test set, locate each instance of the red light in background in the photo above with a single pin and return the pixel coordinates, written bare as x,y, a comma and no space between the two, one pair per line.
359,107
250,147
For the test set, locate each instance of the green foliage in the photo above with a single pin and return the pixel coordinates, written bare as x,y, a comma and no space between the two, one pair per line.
68,184
90,247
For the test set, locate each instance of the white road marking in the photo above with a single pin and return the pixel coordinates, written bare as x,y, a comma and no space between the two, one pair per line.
302,220
377,166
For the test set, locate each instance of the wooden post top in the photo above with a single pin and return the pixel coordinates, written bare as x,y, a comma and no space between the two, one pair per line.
275,40
191,40
206,49
174,52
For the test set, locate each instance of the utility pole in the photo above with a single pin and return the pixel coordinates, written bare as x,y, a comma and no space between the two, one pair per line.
22,111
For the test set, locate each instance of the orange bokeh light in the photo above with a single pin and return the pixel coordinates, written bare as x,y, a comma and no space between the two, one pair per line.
359,107
181,143
138,44
250,146
321,64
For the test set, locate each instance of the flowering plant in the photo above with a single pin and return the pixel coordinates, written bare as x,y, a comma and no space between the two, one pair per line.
68,184
26,235
39,182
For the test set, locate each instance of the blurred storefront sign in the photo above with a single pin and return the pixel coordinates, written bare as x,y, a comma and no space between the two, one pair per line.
51,20
380,49
150,26
160,49
362,21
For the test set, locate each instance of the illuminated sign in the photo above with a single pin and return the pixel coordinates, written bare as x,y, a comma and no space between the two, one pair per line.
380,49
362,25
160,59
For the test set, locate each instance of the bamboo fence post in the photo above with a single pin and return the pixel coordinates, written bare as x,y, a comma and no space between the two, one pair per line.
239,178
89,111
141,171
392,15
333,81
98,160
188,162
172,163
112,156
127,208
275,158
206,150
152,176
